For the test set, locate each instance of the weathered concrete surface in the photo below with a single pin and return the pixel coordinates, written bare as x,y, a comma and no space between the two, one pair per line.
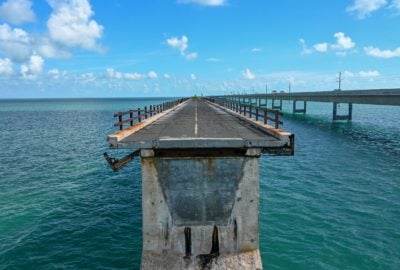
200,193
197,123
244,261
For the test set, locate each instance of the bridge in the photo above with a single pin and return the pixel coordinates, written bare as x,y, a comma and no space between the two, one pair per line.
350,97
200,180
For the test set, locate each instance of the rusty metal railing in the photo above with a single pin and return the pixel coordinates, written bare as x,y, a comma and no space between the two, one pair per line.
136,116
256,112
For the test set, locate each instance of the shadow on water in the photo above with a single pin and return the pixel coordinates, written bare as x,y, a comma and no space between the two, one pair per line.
378,137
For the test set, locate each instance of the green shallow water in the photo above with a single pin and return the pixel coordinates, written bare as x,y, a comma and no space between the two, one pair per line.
334,205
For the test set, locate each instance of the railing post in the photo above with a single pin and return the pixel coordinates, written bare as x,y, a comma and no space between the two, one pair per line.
138,114
131,116
151,110
145,112
350,111
245,110
335,111
256,114
276,119
265,117
121,125
250,110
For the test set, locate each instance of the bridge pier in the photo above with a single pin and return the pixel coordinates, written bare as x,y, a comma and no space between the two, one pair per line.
263,104
200,209
296,110
349,115
200,183
277,107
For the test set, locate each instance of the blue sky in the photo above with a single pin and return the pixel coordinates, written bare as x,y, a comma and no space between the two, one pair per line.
125,48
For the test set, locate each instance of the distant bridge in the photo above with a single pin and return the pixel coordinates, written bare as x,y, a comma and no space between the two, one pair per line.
373,97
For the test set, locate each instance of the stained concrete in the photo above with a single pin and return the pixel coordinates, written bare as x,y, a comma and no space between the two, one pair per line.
200,193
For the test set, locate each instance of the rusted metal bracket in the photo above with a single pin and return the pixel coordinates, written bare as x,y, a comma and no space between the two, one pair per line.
117,164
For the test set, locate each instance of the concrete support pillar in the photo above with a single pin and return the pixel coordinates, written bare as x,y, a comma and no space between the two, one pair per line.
200,209
263,104
297,110
347,117
277,107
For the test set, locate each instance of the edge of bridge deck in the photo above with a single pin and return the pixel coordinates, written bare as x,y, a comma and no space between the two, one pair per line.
118,136
280,134
282,143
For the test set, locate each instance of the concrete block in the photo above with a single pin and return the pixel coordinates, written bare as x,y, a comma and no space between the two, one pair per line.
200,193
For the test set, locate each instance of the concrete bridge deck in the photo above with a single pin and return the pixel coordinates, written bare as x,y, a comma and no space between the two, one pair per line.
197,123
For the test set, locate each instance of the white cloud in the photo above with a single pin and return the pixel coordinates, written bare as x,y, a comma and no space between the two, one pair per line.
54,73
321,47
343,42
396,4
167,76
378,53
70,24
363,8
191,56
46,48
369,74
362,74
17,11
152,75
193,77
33,68
205,2
88,77
247,74
180,44
15,43
135,76
256,50
305,49
112,73
212,59
6,67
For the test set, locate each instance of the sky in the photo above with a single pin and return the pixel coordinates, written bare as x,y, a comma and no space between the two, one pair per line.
149,48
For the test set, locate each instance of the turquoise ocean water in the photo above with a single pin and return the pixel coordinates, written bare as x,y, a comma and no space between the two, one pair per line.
334,205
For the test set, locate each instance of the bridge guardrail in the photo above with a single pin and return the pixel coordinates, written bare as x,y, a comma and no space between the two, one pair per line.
251,111
136,116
